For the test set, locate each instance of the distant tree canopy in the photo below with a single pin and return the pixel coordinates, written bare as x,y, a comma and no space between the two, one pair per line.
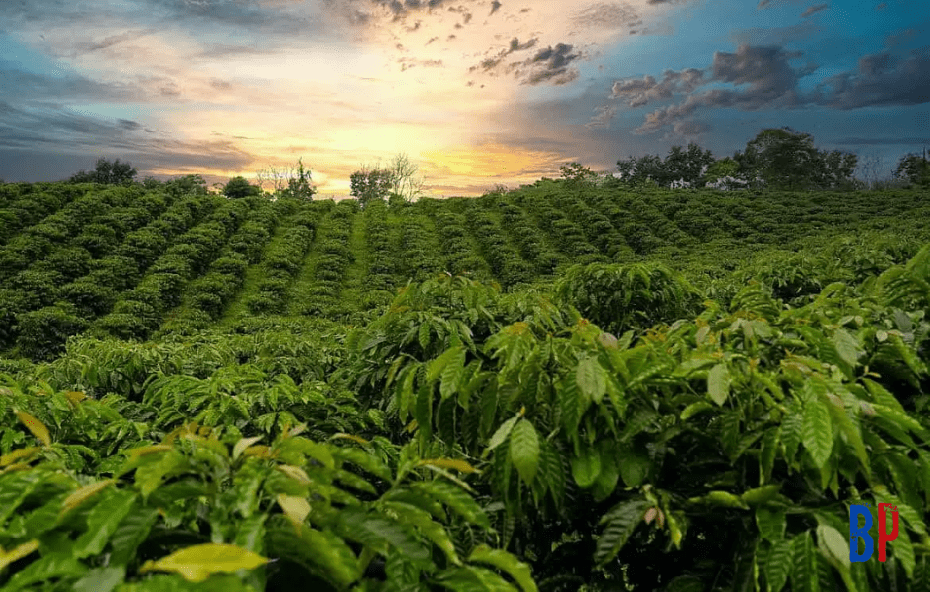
786,159
395,182
369,184
110,173
239,187
290,181
681,164
775,158
915,169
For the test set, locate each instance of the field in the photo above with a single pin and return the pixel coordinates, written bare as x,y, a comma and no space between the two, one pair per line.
560,387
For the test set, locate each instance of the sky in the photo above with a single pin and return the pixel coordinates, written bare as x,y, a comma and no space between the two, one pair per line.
475,92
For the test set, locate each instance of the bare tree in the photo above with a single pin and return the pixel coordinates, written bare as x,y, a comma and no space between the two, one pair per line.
870,169
403,181
293,181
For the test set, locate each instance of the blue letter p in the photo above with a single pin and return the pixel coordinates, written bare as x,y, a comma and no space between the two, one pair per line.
856,532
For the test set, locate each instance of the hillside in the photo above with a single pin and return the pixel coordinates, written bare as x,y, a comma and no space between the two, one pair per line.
132,264
556,388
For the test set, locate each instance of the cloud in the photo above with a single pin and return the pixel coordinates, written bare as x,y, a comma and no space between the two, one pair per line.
604,114
883,80
763,78
18,84
814,10
491,63
407,63
767,78
690,128
608,16
552,65
638,92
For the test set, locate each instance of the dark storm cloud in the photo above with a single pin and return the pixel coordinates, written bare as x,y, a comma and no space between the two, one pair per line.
814,10
770,79
882,80
18,85
49,134
764,78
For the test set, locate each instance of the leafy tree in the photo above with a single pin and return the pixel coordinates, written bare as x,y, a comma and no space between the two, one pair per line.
914,168
238,187
106,172
299,186
687,164
577,175
681,164
786,159
724,170
369,184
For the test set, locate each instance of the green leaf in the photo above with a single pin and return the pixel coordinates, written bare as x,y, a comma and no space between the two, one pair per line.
14,488
455,498
199,562
501,434
771,523
102,579
760,495
587,467
847,346
102,523
903,550
426,525
376,530
817,430
778,563
506,562
835,543
804,577
721,498
592,383
634,467
130,533
524,450
718,383
620,523
44,569
695,408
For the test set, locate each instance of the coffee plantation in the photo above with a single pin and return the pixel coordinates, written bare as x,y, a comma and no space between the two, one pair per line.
556,388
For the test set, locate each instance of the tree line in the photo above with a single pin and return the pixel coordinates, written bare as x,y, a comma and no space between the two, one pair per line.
777,158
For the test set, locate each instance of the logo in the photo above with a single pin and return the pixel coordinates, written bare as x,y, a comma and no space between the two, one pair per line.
857,532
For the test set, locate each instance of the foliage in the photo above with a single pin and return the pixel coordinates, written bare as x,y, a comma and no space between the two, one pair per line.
553,387
239,187
914,168
785,159
294,182
106,172
369,184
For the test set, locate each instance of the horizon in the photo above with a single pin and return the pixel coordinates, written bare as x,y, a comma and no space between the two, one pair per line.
476,93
